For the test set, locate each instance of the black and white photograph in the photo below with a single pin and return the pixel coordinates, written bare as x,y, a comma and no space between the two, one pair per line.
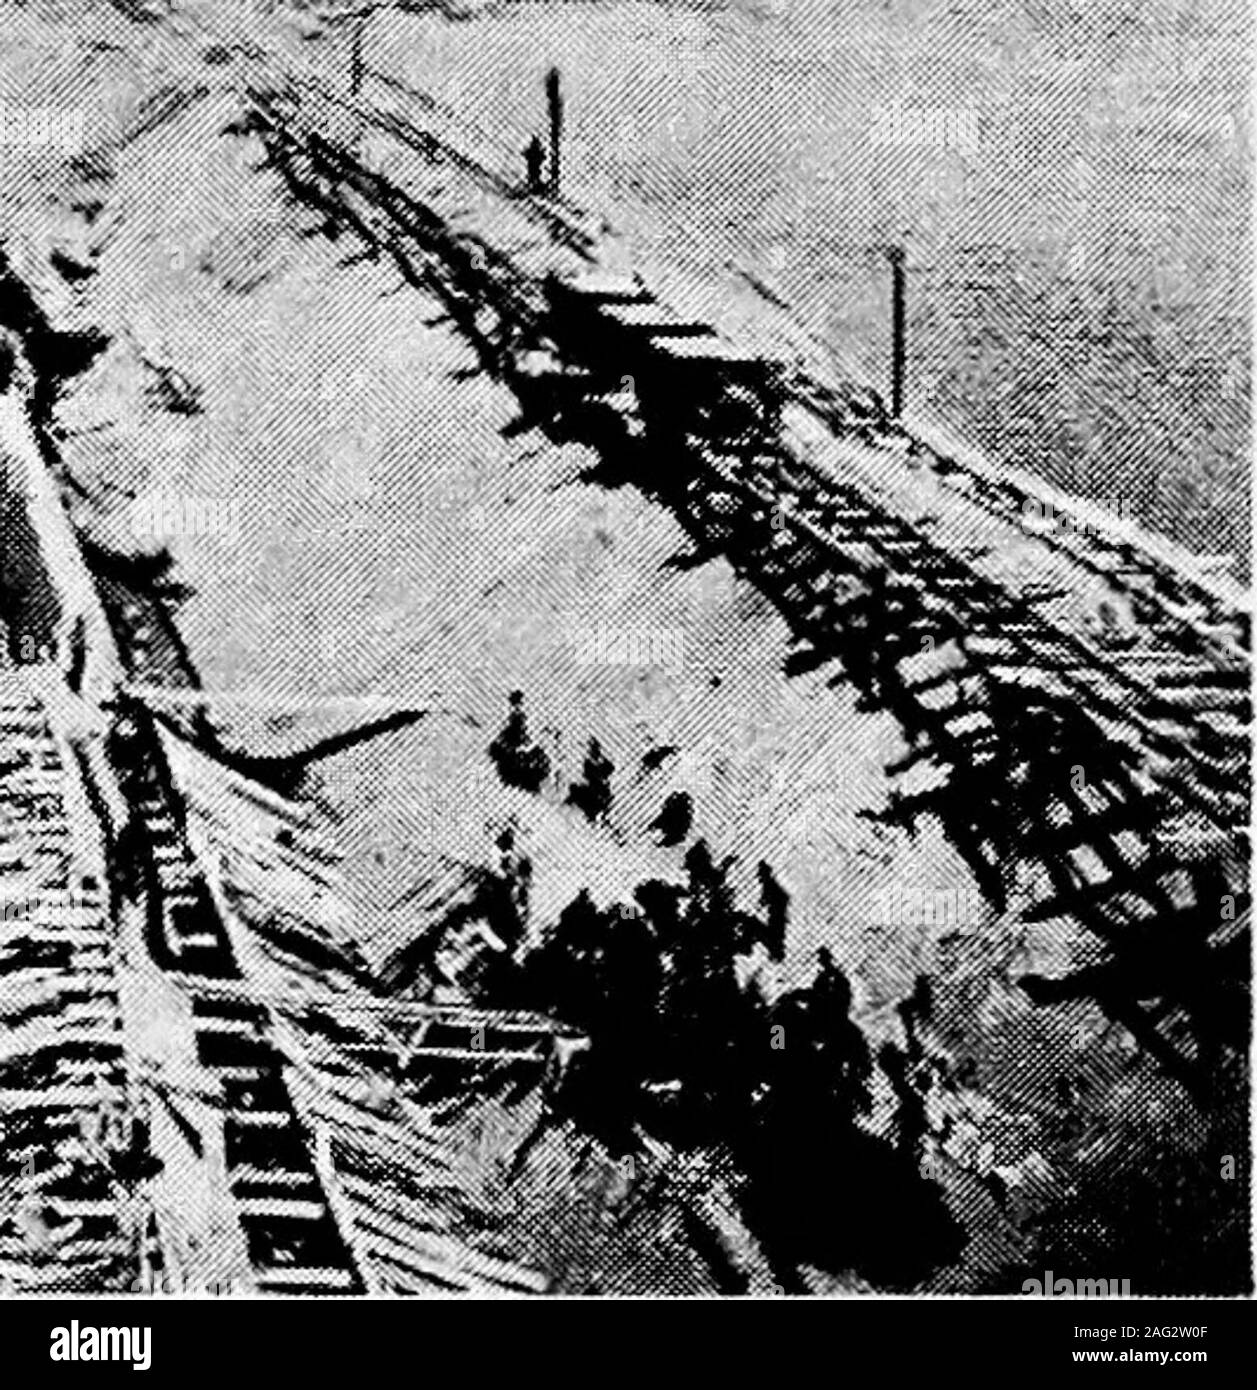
625,664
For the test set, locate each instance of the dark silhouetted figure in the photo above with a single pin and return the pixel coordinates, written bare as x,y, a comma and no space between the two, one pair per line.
561,970
674,819
508,896
865,654
775,901
911,1124
850,1066
661,902
593,795
701,869
714,1029
519,761
913,1011
656,757
624,1029
535,163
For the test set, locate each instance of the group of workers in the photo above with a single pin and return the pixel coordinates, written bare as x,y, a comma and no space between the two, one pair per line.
684,1045
667,963
522,762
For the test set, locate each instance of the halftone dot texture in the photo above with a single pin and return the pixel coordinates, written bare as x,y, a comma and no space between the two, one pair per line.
987,739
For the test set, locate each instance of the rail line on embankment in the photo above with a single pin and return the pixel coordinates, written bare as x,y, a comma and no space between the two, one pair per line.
1014,654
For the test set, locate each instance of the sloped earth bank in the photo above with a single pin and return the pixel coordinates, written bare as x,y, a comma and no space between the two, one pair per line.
379,531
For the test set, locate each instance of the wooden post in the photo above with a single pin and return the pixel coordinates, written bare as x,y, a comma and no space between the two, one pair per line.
554,104
898,329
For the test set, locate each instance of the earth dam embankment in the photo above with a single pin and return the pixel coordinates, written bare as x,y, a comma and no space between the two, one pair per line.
343,428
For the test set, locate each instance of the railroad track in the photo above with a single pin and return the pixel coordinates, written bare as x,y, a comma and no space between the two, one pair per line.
1190,718
65,1075
1159,714
269,75
1167,731
308,1227
77,1099
1182,683
1093,843
1178,603
1185,612
292,1240
1163,591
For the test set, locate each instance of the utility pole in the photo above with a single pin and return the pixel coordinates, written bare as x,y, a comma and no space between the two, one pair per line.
554,104
898,328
